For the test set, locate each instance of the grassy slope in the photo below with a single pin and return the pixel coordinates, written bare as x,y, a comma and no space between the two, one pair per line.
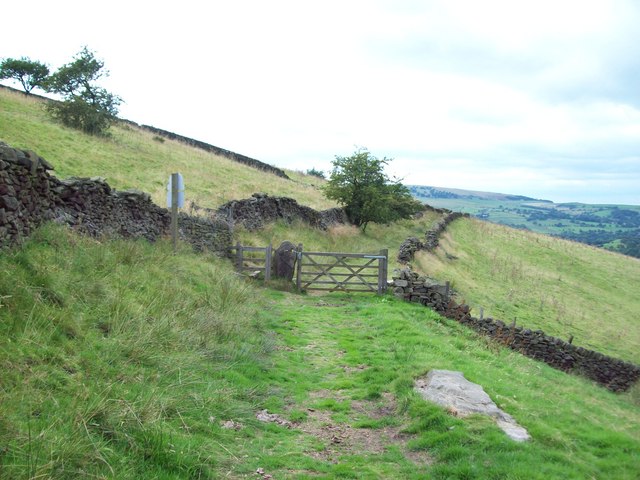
131,158
121,360
564,288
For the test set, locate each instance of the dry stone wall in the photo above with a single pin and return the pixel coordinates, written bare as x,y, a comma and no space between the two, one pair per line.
236,157
30,196
253,213
617,375
25,193
411,245
92,207
206,234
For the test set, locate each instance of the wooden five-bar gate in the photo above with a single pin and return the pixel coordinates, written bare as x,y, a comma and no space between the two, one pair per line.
328,271
346,272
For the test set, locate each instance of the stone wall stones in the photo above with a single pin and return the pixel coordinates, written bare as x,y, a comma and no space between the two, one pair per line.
617,375
411,245
90,206
206,234
253,213
25,193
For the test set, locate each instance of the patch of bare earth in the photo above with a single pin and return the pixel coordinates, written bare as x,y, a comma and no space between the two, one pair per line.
342,439
356,369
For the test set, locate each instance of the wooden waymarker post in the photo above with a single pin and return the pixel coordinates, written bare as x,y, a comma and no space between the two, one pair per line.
175,200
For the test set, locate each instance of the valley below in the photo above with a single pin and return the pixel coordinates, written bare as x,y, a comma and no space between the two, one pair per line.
614,227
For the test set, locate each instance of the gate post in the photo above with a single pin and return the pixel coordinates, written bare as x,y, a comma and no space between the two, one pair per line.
299,267
382,271
239,257
267,263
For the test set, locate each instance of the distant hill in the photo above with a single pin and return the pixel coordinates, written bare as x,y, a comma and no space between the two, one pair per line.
421,191
614,227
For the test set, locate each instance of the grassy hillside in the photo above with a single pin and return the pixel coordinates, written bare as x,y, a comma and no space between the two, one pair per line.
562,287
557,286
121,360
105,349
135,158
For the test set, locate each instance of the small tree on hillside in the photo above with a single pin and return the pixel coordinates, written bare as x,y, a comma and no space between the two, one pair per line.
30,73
359,184
86,106
315,173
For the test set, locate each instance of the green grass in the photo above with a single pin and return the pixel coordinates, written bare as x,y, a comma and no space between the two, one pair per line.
106,349
131,158
121,360
387,344
562,287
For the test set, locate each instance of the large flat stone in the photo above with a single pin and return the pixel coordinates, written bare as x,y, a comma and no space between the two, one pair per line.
451,390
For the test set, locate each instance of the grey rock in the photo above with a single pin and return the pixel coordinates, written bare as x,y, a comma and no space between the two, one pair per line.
285,260
8,153
451,390
9,202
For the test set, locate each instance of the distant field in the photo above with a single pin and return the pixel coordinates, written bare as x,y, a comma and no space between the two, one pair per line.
616,227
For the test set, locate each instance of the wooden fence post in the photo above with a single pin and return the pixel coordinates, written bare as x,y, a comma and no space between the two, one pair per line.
382,271
299,267
239,257
267,262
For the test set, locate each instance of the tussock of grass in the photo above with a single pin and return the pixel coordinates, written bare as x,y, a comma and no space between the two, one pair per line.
109,348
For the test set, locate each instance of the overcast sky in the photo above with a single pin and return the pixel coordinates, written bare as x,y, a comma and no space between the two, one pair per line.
539,98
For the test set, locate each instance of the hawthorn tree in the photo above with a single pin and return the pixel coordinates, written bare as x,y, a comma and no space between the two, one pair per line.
359,184
86,106
30,73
